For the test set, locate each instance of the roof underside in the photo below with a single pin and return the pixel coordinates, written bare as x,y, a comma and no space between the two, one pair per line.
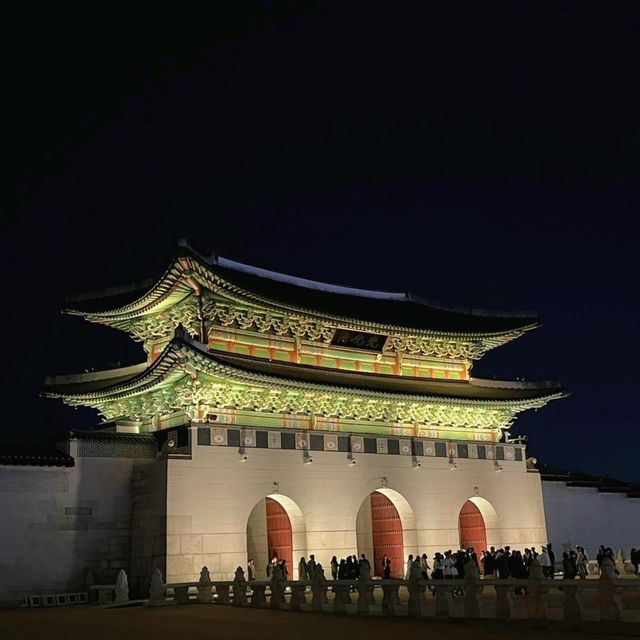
385,308
171,363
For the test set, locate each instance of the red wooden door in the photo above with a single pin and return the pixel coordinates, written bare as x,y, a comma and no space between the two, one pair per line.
387,535
472,529
279,538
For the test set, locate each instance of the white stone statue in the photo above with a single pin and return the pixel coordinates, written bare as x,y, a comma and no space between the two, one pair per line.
157,589
122,587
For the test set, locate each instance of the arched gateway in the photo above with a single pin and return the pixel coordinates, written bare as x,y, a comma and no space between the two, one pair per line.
385,526
473,532
276,528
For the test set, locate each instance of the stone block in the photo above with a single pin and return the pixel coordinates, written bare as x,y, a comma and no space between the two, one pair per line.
190,544
212,543
178,524
234,543
173,545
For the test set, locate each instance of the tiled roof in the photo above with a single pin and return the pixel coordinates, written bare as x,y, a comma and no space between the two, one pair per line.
34,456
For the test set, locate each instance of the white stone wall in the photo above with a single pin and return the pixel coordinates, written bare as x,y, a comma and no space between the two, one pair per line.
211,496
586,517
55,523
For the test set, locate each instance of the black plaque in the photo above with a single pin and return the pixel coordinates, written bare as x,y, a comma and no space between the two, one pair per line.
358,340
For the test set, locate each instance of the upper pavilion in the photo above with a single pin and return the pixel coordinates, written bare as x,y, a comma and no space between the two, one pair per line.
230,343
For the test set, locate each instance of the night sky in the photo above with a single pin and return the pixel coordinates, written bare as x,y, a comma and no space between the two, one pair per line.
481,154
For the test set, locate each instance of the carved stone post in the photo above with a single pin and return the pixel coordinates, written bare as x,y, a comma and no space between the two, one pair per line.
157,589
442,601
416,591
472,591
388,598
122,587
205,594
609,600
573,600
298,598
318,590
239,589
277,588
504,596
365,590
536,597
258,597
341,597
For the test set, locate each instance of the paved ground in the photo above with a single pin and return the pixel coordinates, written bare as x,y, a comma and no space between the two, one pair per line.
228,623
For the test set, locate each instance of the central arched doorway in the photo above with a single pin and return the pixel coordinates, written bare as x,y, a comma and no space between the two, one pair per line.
279,533
385,525
473,532
386,534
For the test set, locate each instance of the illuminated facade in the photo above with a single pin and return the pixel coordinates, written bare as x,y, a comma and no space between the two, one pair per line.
353,414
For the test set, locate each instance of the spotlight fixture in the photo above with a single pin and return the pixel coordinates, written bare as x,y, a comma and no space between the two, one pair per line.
309,460
417,463
276,487
497,466
452,465
351,462
171,444
243,458
383,482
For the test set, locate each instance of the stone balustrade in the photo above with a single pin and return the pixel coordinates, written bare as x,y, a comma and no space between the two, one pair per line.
607,598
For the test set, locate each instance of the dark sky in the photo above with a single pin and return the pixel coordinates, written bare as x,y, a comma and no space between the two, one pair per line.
483,154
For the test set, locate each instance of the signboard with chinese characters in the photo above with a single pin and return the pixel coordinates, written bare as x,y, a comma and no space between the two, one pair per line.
358,340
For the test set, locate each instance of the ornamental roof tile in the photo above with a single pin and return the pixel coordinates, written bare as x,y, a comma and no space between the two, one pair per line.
382,307
34,456
181,347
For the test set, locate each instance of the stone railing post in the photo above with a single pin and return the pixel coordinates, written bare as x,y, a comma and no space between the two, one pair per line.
318,590
298,598
258,597
340,597
122,587
388,598
609,599
472,591
365,590
239,589
157,589
88,583
277,589
504,599
536,592
205,592
442,600
573,600
222,593
416,591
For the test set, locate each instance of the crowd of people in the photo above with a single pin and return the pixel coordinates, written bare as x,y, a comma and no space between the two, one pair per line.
500,563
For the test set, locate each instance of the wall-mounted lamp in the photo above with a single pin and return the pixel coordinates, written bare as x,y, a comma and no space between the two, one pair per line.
243,457
497,466
276,487
417,463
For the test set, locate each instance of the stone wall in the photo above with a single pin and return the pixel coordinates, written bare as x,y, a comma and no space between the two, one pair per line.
56,523
587,517
211,496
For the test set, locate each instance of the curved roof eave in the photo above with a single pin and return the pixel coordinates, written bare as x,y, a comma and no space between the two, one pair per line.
178,282
183,349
